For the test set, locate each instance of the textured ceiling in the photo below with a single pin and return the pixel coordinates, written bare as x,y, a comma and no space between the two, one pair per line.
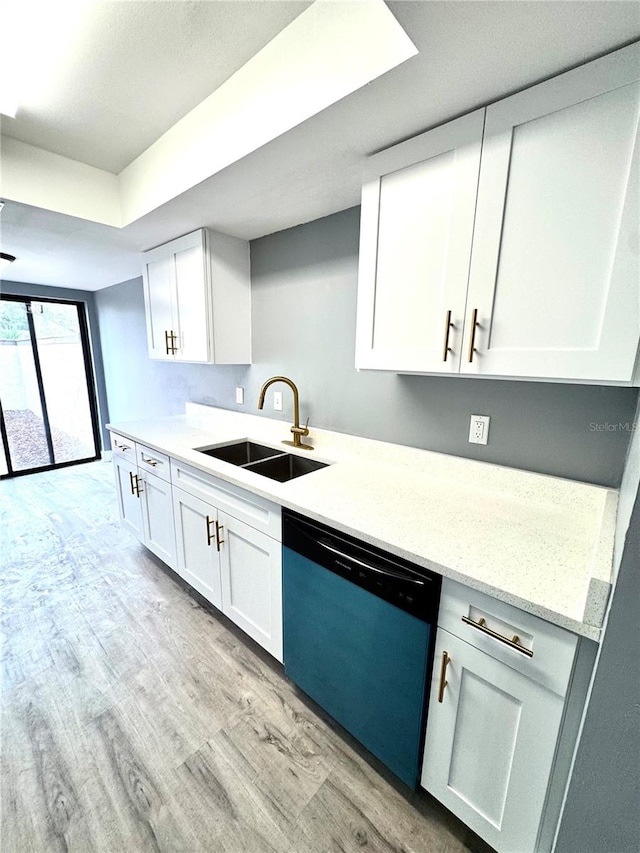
470,53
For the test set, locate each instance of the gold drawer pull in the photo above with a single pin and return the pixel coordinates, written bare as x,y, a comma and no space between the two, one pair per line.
513,643
121,446
448,325
443,674
131,476
150,460
474,326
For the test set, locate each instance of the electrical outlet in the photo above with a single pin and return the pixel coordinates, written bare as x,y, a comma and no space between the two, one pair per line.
479,429
240,395
277,401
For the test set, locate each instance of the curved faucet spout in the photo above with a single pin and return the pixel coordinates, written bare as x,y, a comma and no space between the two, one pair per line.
296,429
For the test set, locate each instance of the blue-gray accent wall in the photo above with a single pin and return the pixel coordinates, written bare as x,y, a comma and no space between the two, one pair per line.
304,284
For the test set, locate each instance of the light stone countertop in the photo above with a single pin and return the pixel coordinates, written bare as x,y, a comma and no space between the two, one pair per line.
541,543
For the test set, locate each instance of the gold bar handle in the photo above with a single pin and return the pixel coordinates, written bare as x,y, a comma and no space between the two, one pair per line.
448,325
123,447
150,460
443,674
174,348
513,643
137,485
131,476
219,540
210,535
166,341
474,326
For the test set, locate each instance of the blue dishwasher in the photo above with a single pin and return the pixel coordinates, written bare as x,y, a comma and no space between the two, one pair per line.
359,627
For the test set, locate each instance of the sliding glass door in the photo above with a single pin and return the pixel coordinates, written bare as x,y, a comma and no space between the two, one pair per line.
48,414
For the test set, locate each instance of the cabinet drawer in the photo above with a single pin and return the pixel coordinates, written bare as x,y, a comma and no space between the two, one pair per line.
154,462
253,510
124,447
553,649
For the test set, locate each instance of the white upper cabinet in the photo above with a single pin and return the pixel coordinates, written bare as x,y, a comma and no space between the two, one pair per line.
418,205
197,292
555,269
549,268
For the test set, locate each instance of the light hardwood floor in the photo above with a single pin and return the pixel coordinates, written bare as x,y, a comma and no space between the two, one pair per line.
136,719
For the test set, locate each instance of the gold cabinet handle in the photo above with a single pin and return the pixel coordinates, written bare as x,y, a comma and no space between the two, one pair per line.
513,643
474,326
170,342
137,485
443,675
150,460
123,447
131,476
448,325
219,539
210,534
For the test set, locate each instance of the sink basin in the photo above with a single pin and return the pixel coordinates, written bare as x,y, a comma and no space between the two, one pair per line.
240,452
286,467
264,460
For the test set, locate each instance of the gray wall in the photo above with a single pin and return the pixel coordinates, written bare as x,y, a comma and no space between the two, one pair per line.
304,284
602,811
37,291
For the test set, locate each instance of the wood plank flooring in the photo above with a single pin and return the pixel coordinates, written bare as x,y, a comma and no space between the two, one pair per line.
136,719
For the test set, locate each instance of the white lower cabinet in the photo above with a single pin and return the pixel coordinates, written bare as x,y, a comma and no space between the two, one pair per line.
197,560
233,564
128,502
490,745
222,540
157,517
144,502
251,575
502,724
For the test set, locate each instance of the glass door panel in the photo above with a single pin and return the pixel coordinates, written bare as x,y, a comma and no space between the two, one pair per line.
64,379
25,424
48,414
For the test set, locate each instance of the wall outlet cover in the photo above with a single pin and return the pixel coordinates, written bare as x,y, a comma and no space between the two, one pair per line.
240,395
479,429
277,401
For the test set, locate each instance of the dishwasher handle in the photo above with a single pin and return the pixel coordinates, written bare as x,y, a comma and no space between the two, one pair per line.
412,588
389,573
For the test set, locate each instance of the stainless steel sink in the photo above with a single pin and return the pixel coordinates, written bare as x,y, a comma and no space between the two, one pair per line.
286,467
241,453
272,463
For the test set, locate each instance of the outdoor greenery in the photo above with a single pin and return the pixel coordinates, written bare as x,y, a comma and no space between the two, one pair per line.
51,320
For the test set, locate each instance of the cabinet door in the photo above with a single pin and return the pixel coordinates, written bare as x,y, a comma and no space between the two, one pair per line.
158,279
251,569
157,517
555,263
490,745
128,498
418,206
197,556
192,298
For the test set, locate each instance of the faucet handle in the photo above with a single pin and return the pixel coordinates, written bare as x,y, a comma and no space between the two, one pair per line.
301,430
